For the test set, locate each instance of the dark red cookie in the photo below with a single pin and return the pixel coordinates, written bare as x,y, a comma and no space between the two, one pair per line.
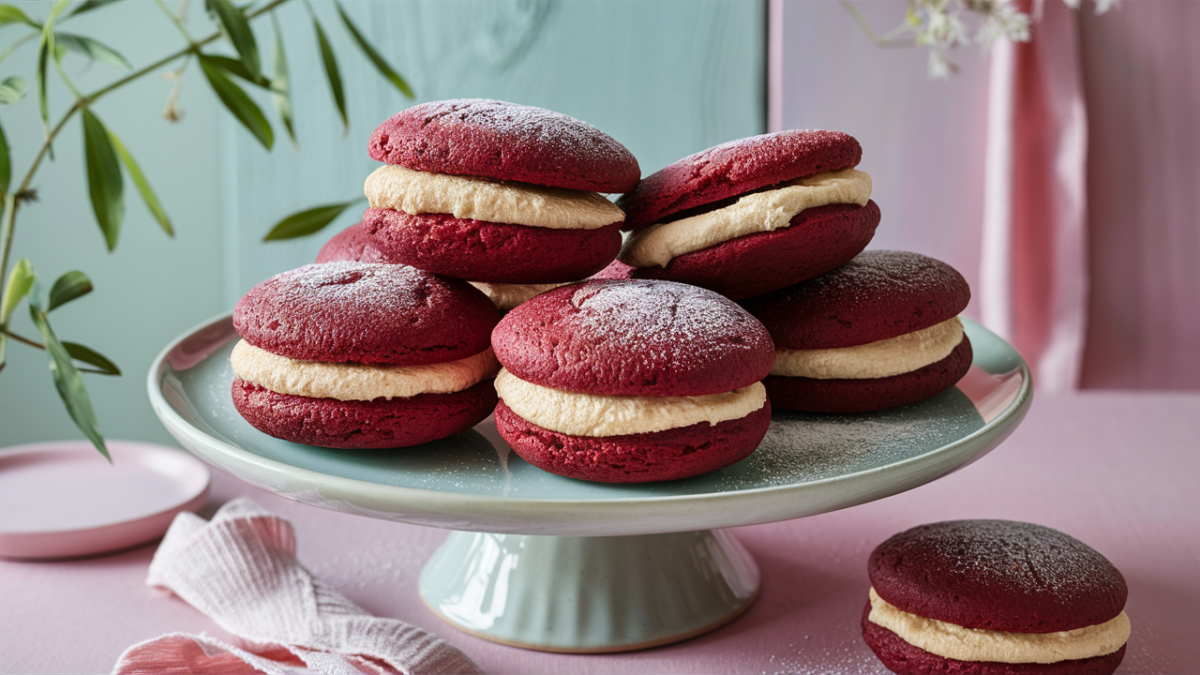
997,575
735,168
817,241
900,657
633,337
505,141
876,296
491,252
635,458
853,396
372,313
382,423
352,244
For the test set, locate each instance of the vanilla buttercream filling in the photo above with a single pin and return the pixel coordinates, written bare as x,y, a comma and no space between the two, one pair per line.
882,358
358,381
594,415
756,212
417,192
508,296
952,641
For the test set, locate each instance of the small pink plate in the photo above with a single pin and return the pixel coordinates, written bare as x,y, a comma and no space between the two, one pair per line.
63,500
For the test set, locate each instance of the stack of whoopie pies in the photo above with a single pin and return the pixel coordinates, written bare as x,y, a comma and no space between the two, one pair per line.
778,222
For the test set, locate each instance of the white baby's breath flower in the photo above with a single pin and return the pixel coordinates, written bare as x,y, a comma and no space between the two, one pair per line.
1103,6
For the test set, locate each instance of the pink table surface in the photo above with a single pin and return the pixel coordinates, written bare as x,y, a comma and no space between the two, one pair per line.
1115,470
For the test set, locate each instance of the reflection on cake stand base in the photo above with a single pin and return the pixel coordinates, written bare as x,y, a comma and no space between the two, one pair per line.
589,594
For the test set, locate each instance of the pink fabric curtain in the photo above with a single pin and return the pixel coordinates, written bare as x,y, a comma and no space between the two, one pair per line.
1033,274
1077,222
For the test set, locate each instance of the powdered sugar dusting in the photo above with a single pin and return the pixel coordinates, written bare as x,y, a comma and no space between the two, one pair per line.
807,447
641,338
373,313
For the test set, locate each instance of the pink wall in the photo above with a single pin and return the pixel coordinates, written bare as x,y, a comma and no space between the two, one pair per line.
923,140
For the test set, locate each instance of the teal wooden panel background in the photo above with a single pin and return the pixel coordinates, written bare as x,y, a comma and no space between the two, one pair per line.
664,78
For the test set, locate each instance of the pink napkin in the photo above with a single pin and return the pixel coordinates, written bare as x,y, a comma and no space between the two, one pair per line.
240,569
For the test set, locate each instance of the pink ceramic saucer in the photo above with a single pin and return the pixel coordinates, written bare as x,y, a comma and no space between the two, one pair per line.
62,499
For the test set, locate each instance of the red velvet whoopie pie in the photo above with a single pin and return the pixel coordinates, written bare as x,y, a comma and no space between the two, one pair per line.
496,192
878,332
363,355
627,381
994,597
754,215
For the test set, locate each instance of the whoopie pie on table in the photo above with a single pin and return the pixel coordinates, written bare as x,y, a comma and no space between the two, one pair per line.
878,332
496,192
628,381
363,355
994,597
754,215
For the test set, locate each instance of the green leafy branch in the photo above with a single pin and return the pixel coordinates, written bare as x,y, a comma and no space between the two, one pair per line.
108,161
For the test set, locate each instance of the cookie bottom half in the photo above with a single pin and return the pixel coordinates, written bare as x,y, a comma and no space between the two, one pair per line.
901,657
817,241
853,396
381,423
635,458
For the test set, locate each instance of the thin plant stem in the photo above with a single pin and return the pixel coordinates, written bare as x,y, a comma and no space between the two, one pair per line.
18,338
175,20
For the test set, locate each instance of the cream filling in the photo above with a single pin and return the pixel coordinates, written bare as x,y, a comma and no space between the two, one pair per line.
767,211
591,415
416,192
357,381
882,358
508,296
952,641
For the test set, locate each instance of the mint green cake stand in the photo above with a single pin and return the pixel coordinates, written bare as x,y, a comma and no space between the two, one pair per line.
544,562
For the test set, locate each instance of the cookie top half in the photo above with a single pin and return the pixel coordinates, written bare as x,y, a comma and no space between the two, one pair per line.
634,337
876,296
505,141
735,168
372,313
997,575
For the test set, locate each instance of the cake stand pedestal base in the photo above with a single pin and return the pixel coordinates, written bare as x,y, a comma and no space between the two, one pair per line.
589,594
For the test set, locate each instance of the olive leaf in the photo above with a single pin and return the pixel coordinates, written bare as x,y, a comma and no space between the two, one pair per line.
69,382
236,67
89,5
308,221
281,84
91,357
238,102
45,48
239,32
20,280
13,89
104,178
329,60
143,185
375,57
94,50
12,14
69,286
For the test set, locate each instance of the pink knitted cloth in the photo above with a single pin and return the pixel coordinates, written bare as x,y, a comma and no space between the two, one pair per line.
240,569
